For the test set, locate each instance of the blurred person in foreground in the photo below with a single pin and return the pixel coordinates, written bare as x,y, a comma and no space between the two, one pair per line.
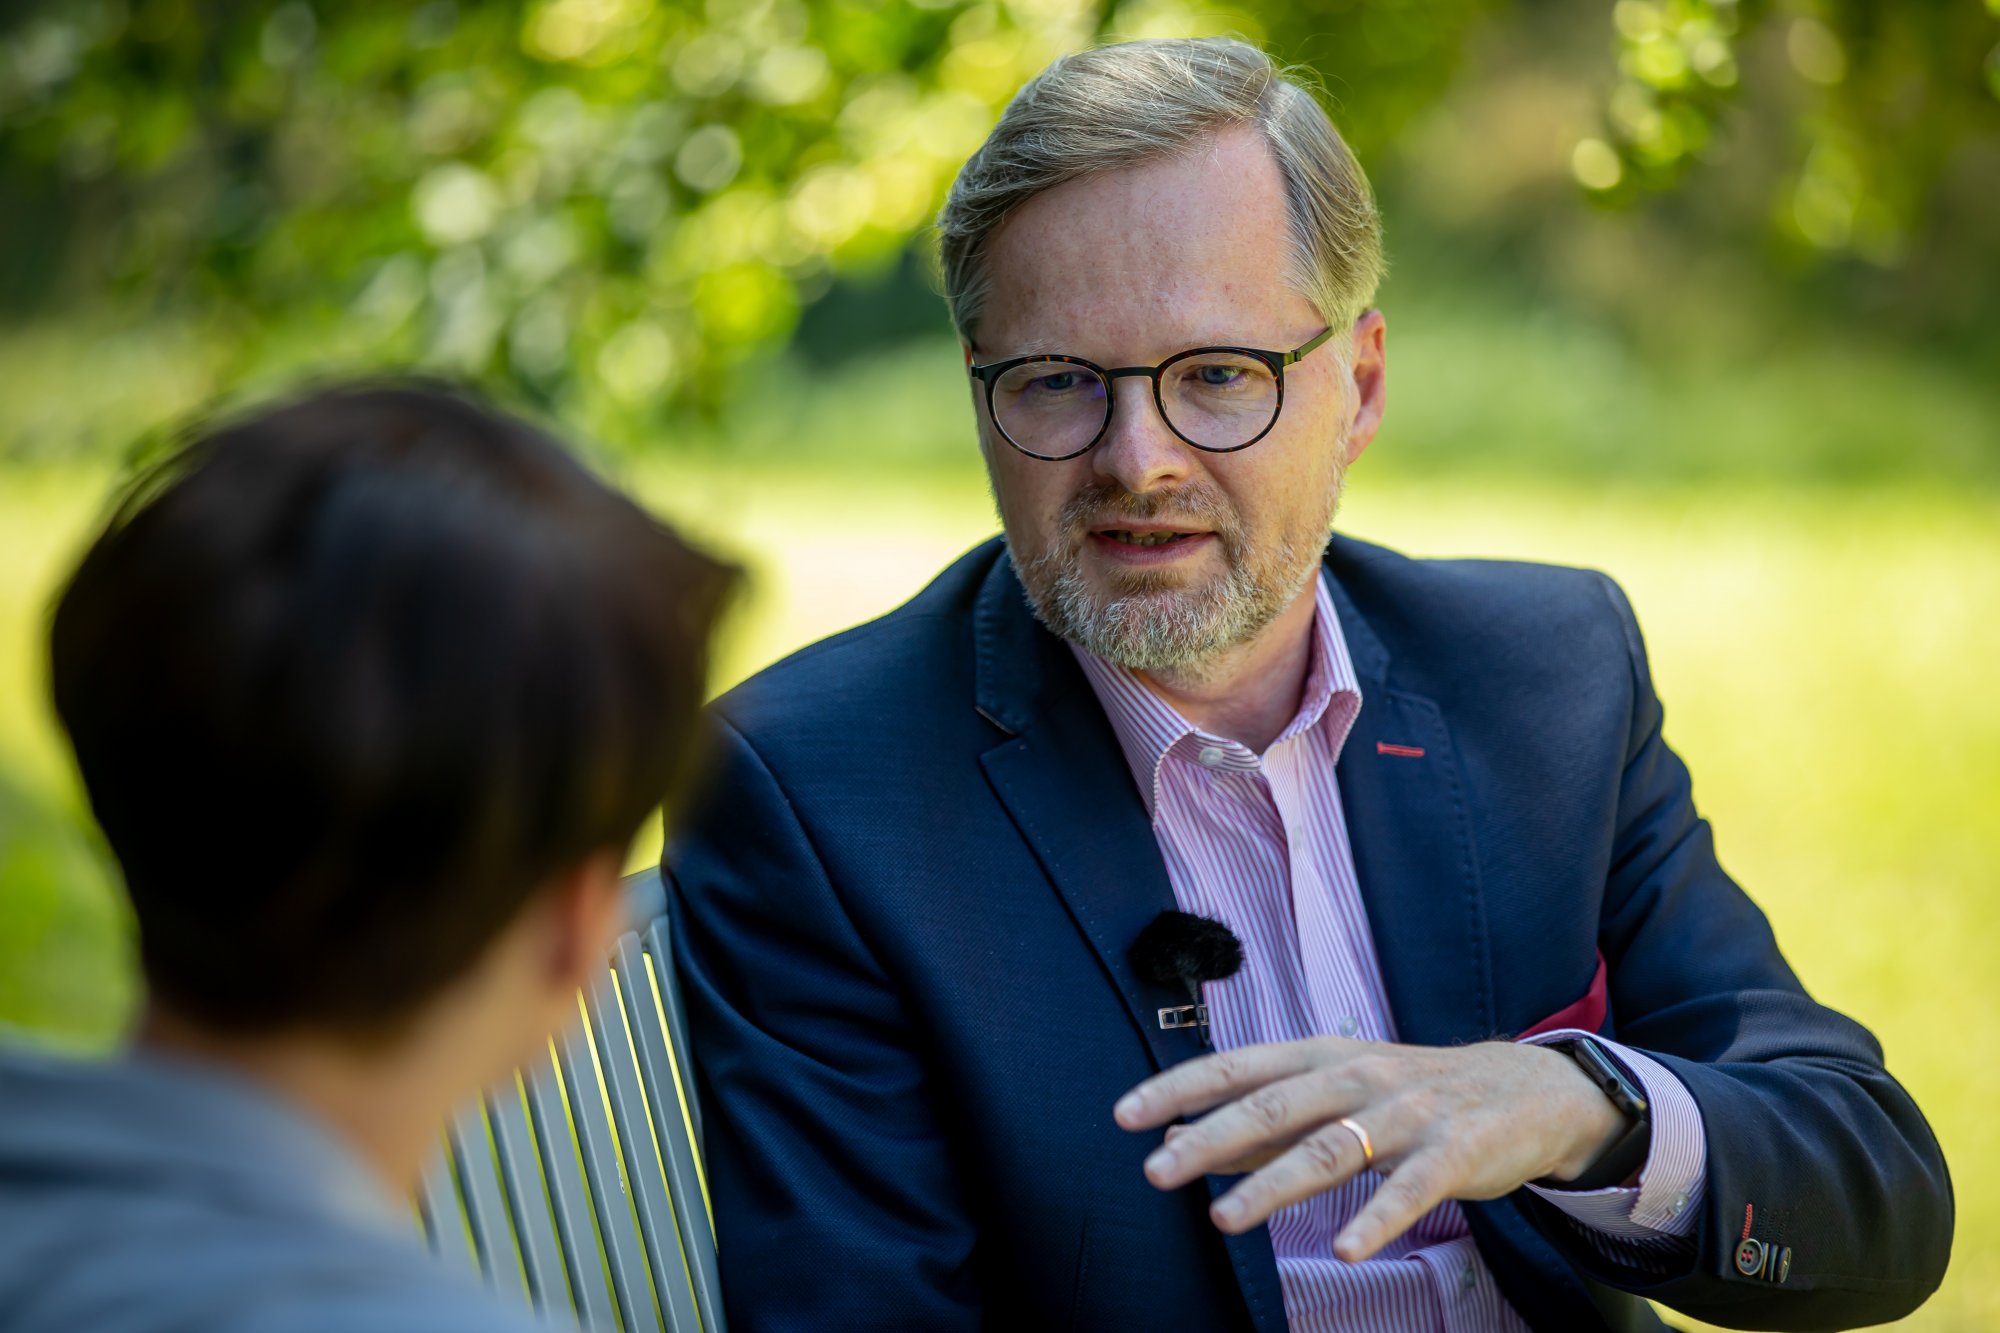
370,692
1430,799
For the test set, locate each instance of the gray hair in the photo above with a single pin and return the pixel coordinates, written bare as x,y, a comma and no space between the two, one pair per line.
1135,102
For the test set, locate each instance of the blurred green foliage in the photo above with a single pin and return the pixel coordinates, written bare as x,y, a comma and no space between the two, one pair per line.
602,202
607,205
66,977
1883,95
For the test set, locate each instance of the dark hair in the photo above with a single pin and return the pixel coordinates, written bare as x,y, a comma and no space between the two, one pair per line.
350,677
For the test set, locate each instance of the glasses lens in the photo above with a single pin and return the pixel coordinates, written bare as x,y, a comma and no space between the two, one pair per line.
1050,409
1219,400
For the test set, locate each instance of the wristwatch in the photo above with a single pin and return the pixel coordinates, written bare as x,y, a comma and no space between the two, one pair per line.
1618,1162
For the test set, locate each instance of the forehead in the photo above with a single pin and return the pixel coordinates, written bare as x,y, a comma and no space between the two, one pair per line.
1143,261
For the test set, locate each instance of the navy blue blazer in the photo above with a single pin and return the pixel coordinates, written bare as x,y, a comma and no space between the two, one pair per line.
901,916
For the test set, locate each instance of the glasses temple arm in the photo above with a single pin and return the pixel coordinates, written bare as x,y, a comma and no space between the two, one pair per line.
1306,348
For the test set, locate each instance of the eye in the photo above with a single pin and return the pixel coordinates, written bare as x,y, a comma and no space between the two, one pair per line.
1220,376
1062,381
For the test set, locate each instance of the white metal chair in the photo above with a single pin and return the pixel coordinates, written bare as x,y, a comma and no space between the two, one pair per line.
580,1186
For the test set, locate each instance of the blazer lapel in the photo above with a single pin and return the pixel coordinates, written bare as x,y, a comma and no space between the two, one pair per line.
1064,780
1404,798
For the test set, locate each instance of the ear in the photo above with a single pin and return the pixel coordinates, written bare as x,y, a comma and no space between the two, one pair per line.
586,914
1369,358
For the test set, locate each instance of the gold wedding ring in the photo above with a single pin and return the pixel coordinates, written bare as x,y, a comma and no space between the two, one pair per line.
1367,1144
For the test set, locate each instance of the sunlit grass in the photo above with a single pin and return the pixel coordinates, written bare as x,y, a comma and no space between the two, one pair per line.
1827,659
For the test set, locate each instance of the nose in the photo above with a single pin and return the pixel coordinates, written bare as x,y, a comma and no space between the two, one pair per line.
1138,450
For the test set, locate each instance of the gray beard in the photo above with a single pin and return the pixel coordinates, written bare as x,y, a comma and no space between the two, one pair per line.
1170,630
1166,629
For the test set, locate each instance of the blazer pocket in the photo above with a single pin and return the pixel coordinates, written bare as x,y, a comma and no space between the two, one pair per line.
1587,1013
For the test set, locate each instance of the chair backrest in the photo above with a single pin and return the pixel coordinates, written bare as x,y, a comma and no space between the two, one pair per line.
580,1186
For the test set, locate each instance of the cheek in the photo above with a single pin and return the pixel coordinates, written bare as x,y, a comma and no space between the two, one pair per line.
1276,493
1031,492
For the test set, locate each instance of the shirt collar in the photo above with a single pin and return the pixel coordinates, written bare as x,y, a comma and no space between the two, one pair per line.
1148,728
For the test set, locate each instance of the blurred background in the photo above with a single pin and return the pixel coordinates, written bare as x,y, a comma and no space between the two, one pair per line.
1699,293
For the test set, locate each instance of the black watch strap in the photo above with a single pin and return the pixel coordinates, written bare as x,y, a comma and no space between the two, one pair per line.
1618,1162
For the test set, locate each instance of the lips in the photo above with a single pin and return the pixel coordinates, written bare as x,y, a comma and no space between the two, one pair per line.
1145,537
1148,547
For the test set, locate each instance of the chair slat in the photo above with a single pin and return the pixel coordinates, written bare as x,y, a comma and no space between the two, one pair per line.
645,898
444,1216
644,1006
485,1204
623,1248
527,1200
583,1259
644,1167
661,948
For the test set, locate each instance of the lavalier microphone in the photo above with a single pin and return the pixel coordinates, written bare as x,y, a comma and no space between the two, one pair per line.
1180,947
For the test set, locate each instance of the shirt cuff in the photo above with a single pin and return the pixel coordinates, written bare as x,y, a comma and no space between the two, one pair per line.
1667,1200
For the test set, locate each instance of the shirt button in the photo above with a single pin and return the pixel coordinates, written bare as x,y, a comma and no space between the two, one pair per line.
1349,1026
1680,1204
1212,756
1466,1278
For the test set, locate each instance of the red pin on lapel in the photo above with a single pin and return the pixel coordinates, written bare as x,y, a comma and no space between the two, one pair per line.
1400,751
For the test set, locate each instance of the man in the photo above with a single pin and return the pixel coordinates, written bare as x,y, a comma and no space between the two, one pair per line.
370,692
1429,800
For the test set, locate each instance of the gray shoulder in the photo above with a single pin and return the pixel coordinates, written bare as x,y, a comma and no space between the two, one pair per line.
389,1306
366,1288
165,1266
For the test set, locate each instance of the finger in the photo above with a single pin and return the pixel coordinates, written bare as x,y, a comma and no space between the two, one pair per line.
1242,1166
1199,1084
1325,1159
1263,1121
1406,1194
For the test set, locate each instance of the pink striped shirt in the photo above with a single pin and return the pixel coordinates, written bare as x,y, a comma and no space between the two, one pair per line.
1260,842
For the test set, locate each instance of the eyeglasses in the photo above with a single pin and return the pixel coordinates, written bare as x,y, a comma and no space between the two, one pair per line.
1219,399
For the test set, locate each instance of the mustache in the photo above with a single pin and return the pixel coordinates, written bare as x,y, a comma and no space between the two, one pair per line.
1105,500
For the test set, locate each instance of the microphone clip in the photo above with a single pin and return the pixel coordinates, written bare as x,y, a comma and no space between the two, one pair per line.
1174,1017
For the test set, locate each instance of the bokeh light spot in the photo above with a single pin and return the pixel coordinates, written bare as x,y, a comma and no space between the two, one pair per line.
1713,61
288,35
710,158
637,362
1815,52
1636,19
455,203
831,203
709,64
789,75
1595,165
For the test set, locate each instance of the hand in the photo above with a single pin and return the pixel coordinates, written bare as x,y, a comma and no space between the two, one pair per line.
1465,1122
